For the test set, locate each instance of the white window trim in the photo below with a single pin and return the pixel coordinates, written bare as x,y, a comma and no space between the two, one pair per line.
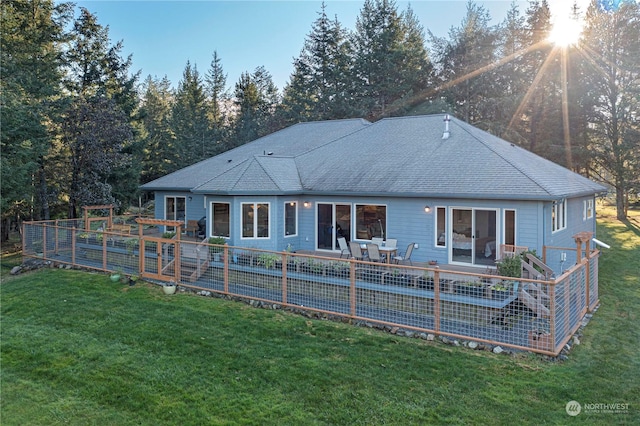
515,227
284,221
211,203
184,226
559,213
588,209
255,221
435,227
355,217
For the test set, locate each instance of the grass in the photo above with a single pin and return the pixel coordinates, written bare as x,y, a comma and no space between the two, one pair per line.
77,349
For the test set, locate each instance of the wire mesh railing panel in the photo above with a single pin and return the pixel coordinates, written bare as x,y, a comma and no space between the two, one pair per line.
318,283
570,304
535,314
593,281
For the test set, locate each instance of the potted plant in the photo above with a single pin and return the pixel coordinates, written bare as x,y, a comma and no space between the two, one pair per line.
510,266
425,282
116,275
268,260
501,290
470,288
216,251
133,279
397,278
169,288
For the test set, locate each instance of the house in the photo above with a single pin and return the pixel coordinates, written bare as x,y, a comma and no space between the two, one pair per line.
456,191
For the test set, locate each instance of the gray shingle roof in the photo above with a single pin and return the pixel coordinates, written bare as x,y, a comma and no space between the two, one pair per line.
403,156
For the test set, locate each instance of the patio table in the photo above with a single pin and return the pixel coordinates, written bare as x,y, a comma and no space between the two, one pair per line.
389,252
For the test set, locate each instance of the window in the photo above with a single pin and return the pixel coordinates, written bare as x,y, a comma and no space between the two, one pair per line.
371,221
220,214
588,209
510,227
255,220
175,209
559,216
441,227
290,218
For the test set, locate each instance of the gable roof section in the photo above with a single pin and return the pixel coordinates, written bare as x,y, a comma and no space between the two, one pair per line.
288,142
260,174
403,156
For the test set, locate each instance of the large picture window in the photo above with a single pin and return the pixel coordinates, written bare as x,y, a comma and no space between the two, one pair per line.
175,209
290,218
559,215
255,220
220,215
371,221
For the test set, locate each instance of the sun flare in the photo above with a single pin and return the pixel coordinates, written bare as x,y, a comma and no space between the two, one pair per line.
565,32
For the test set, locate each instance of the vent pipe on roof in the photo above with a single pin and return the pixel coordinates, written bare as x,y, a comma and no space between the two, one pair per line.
446,133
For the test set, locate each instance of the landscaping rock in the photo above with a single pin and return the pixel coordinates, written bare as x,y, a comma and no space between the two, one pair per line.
16,270
473,345
498,350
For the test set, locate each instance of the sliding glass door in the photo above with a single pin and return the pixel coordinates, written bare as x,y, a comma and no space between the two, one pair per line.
473,236
175,209
334,221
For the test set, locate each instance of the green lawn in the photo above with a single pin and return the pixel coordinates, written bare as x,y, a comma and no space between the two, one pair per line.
78,349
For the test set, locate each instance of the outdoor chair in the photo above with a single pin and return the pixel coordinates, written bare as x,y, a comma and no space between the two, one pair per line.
406,256
391,242
192,227
377,241
374,253
344,247
356,251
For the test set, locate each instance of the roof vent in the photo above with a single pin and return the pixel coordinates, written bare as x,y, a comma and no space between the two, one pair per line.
446,133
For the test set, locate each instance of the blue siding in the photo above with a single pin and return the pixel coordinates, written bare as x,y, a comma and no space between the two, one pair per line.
407,221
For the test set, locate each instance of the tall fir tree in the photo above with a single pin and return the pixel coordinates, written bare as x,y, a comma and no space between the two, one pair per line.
256,99
189,119
610,71
98,77
320,87
158,136
461,61
32,36
219,103
385,69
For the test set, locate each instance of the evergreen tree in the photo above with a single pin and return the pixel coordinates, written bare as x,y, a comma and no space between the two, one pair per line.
218,107
512,77
540,108
610,72
189,119
256,98
159,139
460,61
98,77
31,38
389,58
320,85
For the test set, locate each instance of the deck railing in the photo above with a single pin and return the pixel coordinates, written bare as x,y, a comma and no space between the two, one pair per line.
529,314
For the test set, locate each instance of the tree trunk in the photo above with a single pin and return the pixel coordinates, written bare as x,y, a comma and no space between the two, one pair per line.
5,225
620,205
42,193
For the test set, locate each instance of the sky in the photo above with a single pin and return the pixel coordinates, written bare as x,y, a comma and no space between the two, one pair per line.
162,36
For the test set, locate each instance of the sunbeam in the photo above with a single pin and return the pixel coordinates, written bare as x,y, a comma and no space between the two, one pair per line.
525,99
